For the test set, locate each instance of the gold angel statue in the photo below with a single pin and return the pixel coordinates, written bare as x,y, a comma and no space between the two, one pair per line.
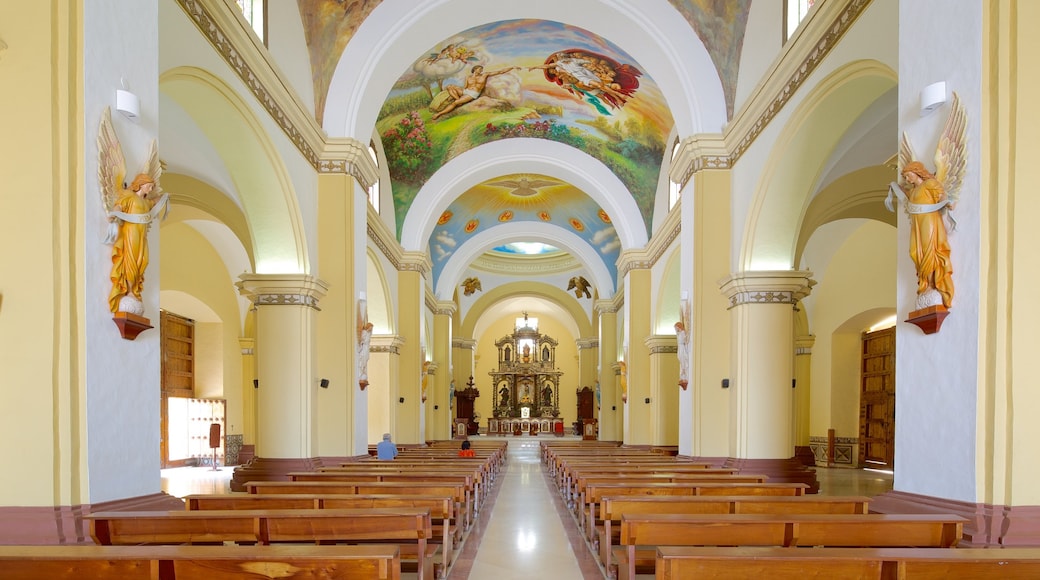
580,286
471,285
928,200
130,213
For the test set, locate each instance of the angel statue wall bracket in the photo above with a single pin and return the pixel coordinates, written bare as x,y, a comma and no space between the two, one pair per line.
130,211
929,201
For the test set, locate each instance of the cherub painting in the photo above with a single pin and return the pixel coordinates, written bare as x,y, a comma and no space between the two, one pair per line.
928,200
593,78
131,211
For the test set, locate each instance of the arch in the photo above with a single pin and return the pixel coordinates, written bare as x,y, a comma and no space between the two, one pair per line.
654,34
186,191
799,156
253,162
536,289
510,156
454,269
380,305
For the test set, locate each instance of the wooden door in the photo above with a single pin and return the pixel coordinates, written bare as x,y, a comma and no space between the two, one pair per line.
877,399
177,341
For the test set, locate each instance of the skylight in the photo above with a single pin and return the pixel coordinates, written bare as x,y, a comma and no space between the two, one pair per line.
529,248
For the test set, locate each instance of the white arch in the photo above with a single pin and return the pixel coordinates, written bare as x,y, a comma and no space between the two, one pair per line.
523,156
656,35
528,231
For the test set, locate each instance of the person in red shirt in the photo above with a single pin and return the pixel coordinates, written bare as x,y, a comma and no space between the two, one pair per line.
466,451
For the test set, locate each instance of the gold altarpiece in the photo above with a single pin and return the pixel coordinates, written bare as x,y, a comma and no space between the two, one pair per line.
526,382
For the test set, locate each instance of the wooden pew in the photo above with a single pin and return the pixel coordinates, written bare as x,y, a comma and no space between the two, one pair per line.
783,530
410,529
376,562
467,479
582,482
573,470
612,508
848,563
442,509
455,491
594,492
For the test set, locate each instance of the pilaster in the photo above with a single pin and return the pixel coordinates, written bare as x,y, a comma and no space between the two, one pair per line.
438,403
664,389
636,355
410,421
608,395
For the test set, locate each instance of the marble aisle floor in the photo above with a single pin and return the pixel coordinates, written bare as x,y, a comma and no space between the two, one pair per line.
525,531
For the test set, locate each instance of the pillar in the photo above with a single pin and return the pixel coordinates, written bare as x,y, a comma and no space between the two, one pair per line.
409,418
761,310
383,376
608,394
248,348
438,402
664,389
637,355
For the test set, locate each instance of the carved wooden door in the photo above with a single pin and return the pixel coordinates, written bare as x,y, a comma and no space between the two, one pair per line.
177,343
877,399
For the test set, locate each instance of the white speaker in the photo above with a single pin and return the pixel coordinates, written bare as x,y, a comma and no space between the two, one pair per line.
128,104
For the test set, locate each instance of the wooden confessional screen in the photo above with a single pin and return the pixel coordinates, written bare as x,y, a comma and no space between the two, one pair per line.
877,399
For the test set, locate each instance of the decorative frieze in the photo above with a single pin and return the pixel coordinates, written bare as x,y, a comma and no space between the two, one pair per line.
282,289
587,343
445,308
844,450
612,306
464,343
767,287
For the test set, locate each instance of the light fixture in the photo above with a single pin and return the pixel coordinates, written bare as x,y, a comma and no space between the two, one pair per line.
932,97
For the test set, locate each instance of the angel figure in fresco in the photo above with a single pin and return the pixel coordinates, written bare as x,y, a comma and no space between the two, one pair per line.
928,200
592,77
453,52
580,286
470,286
364,344
131,211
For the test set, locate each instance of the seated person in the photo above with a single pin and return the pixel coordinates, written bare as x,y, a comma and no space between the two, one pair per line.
386,448
466,450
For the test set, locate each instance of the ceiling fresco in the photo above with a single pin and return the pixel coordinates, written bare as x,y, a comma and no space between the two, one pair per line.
523,198
720,24
525,78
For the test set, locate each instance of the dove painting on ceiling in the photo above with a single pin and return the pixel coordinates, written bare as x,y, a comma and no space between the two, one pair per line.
525,78
520,198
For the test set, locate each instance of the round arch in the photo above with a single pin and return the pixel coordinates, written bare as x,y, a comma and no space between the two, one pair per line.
655,34
252,160
453,270
523,156
799,157
380,304
546,292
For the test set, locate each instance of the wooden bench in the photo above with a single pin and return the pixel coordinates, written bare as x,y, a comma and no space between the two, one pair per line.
613,507
594,492
848,563
782,530
472,491
410,529
442,509
376,562
573,470
455,491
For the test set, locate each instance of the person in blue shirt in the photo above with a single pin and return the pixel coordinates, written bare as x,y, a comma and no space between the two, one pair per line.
386,448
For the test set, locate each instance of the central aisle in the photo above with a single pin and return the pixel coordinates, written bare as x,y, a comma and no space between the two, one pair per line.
528,534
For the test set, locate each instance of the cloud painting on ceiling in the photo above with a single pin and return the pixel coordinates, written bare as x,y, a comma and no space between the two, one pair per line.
525,78
523,198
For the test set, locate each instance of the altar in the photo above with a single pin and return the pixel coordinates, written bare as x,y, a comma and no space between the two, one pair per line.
526,380
530,426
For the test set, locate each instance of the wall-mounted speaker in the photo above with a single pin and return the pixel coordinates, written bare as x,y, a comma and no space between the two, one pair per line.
401,400
725,383
324,383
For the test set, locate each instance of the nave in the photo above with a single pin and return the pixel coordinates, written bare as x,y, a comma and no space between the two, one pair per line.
524,529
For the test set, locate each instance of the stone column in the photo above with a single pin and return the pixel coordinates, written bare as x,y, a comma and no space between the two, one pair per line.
410,420
610,415
664,389
438,403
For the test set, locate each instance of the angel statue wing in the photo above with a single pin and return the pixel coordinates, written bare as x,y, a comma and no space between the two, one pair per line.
951,156
111,163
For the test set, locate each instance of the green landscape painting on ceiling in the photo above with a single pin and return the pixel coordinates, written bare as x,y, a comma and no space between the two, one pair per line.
525,78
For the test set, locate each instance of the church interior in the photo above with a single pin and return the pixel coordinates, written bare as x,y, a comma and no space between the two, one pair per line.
774,236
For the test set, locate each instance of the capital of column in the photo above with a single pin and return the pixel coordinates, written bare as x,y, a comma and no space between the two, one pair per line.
390,343
464,343
633,260
804,344
248,345
698,153
350,156
767,287
661,343
607,306
586,343
415,262
445,308
282,289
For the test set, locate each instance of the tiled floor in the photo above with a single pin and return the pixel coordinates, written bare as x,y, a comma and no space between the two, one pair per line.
527,531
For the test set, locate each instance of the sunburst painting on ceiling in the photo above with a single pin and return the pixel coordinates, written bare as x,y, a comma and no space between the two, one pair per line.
523,198
525,78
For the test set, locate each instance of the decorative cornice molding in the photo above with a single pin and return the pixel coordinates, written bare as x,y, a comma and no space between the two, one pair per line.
380,235
388,343
767,287
224,27
391,349
611,306
464,343
350,156
522,265
662,239
698,153
282,289
415,262
587,343
816,37
661,344
445,307
430,300
803,344
248,345
632,259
